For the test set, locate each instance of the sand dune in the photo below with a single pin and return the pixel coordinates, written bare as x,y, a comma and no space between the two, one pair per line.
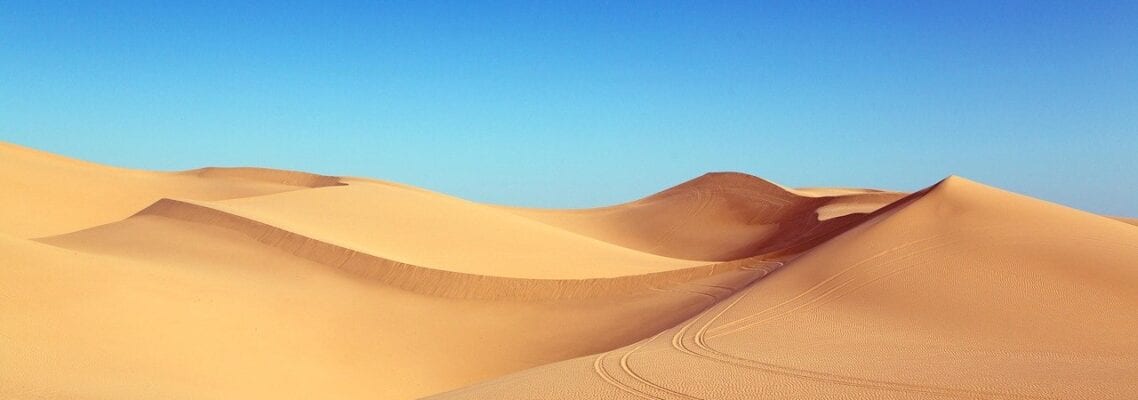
187,310
720,216
961,291
274,176
261,283
412,226
222,288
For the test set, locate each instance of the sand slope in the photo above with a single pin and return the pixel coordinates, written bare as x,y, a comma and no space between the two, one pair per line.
186,310
260,283
961,291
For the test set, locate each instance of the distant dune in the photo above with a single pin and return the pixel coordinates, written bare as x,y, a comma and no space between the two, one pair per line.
48,195
261,283
719,216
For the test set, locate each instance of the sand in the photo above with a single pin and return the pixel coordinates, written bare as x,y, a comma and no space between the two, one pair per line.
960,291
1131,221
259,283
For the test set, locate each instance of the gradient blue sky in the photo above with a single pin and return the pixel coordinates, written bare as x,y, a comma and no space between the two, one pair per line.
584,104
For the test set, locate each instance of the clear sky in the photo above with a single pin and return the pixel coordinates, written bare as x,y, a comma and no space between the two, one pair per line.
585,104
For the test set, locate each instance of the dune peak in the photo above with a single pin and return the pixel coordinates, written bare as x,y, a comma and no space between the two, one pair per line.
726,180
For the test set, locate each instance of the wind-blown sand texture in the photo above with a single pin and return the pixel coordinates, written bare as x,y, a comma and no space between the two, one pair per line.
259,283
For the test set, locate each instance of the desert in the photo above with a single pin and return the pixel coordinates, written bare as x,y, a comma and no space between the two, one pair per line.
261,283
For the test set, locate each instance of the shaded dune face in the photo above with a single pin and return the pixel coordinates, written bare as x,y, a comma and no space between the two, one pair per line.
254,283
721,216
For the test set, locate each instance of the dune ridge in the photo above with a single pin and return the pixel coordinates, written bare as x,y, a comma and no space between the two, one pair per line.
721,216
279,176
46,194
431,281
410,226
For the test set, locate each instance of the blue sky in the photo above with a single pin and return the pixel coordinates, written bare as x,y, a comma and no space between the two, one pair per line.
584,104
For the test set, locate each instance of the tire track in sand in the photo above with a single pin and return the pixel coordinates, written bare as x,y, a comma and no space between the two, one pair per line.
699,348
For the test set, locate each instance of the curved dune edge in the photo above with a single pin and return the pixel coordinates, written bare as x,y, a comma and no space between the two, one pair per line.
444,232
434,282
857,203
719,216
281,176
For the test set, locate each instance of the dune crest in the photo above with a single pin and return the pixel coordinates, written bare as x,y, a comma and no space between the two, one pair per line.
721,216
412,225
278,176
46,194
428,281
